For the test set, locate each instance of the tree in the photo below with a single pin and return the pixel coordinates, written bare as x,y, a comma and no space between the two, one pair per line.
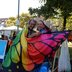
10,21
24,18
34,12
55,7
69,23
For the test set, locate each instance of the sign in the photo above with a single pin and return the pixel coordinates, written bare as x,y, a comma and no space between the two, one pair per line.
17,22
3,44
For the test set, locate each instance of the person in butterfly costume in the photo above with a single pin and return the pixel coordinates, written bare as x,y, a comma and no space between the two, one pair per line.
27,54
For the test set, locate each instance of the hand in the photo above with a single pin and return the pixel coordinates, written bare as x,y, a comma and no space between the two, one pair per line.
35,34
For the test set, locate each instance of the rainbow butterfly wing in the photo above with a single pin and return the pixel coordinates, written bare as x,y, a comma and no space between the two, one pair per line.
31,51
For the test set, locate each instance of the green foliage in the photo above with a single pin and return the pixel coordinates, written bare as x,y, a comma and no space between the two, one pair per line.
24,17
51,7
12,18
10,21
69,23
34,12
30,10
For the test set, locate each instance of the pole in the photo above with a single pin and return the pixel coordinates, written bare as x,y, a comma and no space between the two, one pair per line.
18,21
18,8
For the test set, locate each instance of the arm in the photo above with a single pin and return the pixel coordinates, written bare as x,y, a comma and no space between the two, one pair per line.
34,34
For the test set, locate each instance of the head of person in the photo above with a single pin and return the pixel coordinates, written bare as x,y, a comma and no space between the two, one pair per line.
14,34
4,37
42,25
32,24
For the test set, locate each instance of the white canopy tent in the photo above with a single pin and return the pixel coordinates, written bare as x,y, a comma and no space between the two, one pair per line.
7,30
10,28
1,28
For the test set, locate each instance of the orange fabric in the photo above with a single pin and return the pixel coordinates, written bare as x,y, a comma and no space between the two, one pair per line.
70,38
10,42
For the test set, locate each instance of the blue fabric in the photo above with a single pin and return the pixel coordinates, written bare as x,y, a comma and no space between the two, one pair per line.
45,67
43,31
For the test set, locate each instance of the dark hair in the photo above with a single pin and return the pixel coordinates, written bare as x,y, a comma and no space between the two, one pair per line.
2,35
32,20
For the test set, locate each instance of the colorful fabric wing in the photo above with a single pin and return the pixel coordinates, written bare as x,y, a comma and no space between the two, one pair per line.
29,52
44,45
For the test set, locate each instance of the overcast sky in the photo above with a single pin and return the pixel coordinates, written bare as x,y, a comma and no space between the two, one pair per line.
10,7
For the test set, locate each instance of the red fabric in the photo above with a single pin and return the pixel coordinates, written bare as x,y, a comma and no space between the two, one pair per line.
44,45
